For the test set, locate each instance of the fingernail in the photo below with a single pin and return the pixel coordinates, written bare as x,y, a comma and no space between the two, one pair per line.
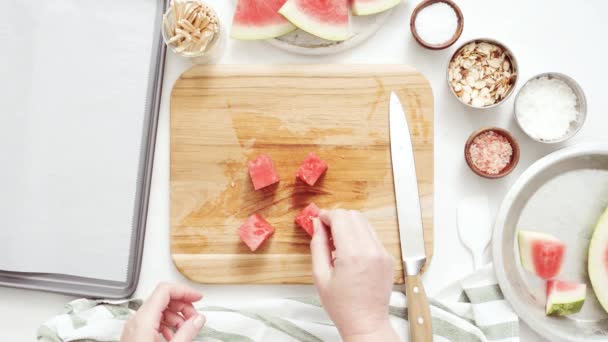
199,321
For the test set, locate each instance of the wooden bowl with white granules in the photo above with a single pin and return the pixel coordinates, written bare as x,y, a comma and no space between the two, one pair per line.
491,152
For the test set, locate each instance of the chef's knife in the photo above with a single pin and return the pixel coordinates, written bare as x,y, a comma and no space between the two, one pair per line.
409,218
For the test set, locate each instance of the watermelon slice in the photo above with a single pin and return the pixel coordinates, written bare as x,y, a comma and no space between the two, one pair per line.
564,298
598,260
367,7
259,19
311,169
255,231
304,218
327,19
541,254
262,172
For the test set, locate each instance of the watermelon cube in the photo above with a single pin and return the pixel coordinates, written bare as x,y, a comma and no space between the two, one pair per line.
304,218
262,172
255,231
311,169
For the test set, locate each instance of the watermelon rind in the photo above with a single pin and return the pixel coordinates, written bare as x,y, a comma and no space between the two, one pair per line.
564,309
250,32
563,303
369,7
317,28
598,260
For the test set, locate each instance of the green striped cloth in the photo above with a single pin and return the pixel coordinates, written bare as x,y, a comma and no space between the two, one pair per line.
470,310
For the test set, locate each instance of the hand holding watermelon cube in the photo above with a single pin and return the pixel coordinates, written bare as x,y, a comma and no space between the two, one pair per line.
304,218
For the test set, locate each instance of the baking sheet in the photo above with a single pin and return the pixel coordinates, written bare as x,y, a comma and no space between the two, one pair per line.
76,141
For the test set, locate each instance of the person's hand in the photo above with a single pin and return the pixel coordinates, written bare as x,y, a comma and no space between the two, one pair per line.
168,312
354,280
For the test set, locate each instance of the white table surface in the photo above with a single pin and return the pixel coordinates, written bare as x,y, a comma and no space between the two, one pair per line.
545,35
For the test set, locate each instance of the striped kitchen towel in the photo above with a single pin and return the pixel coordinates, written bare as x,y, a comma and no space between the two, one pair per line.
470,310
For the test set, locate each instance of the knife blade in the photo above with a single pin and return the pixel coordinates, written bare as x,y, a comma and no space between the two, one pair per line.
409,215
409,219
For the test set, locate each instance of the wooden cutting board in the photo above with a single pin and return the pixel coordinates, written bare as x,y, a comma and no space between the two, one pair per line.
224,115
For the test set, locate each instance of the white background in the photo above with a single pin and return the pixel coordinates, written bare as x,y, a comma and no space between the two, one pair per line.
545,35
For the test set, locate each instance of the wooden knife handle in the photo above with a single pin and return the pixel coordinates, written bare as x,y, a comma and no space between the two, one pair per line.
419,314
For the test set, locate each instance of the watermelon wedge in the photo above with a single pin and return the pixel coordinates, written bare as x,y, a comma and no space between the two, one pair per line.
304,218
327,19
541,254
598,260
259,19
564,298
255,231
367,7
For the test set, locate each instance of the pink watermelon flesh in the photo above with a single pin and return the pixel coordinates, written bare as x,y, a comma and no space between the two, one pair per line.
255,231
327,19
548,258
304,218
541,254
259,19
311,169
262,172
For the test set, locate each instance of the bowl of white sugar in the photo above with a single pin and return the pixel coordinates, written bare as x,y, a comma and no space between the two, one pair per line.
436,24
551,108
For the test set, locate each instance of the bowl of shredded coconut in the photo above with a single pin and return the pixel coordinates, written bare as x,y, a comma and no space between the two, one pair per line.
551,108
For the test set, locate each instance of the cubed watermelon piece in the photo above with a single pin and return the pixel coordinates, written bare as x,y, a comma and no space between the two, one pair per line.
255,231
304,218
262,172
311,169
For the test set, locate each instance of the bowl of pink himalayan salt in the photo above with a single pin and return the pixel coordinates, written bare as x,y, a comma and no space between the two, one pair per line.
491,152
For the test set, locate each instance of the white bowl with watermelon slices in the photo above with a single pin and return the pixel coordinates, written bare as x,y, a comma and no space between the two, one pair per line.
564,195
351,29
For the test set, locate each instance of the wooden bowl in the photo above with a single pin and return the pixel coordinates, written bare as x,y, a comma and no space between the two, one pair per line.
514,158
452,40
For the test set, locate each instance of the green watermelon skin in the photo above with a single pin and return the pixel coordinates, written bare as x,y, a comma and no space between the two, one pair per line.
368,7
564,298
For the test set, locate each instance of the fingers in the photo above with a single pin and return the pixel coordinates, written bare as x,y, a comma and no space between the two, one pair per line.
350,230
188,331
340,222
162,296
166,293
186,309
172,319
166,332
320,249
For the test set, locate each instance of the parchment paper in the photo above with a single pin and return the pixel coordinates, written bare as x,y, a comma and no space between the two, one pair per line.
73,83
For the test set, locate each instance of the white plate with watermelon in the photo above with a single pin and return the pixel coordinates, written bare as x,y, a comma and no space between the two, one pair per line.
310,27
550,245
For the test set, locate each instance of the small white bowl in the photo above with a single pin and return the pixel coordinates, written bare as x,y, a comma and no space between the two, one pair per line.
581,106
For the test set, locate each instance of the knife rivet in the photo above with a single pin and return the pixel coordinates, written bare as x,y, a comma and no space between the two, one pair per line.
420,320
416,289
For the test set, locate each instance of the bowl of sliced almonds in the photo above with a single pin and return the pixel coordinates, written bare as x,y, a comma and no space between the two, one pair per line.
482,73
